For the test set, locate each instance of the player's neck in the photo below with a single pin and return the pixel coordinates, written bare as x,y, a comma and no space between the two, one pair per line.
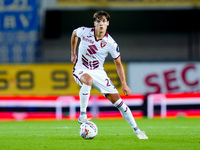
99,35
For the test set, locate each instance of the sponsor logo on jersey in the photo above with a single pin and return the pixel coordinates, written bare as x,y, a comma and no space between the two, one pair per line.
88,40
103,44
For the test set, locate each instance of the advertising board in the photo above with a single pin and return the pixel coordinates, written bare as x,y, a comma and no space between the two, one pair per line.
45,79
19,30
170,77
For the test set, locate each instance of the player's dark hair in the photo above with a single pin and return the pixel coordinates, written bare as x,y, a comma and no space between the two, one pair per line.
101,13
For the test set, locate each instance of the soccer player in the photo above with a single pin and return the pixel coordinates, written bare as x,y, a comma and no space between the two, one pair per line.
88,69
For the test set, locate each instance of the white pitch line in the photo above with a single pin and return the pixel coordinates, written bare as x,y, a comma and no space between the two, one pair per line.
182,127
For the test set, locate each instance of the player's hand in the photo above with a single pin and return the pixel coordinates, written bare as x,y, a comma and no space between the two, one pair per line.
73,58
126,89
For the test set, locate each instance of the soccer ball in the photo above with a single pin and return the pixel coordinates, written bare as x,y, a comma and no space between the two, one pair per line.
88,130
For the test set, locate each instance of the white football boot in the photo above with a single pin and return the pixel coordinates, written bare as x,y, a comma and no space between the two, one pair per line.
83,118
141,134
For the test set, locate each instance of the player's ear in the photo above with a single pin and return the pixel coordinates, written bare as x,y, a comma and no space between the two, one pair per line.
108,23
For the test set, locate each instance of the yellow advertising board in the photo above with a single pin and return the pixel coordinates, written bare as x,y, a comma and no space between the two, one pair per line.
45,79
128,3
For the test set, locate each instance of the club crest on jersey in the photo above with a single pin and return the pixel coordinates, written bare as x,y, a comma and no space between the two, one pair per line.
103,44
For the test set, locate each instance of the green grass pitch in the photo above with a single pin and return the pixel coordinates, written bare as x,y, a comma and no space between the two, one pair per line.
164,134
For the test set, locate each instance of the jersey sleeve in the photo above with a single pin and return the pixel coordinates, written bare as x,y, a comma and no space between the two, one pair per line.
115,53
80,31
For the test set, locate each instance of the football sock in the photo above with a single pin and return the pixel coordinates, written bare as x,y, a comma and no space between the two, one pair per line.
83,113
84,95
135,129
83,116
126,113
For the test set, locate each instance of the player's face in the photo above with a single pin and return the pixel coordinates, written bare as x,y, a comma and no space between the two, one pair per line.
101,24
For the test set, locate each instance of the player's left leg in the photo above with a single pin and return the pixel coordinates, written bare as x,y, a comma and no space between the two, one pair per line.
126,113
123,108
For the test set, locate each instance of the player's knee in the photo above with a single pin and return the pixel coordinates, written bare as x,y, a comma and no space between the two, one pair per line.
87,79
89,82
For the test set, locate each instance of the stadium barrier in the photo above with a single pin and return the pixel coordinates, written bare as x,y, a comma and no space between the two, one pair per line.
164,100
58,102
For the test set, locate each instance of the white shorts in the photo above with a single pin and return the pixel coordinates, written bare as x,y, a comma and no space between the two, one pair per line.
101,81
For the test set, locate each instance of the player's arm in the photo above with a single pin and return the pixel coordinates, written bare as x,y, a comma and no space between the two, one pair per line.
74,41
121,74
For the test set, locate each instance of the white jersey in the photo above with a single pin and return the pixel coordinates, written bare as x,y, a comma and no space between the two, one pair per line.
92,52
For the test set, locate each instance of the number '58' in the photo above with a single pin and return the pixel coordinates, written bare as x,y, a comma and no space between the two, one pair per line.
25,80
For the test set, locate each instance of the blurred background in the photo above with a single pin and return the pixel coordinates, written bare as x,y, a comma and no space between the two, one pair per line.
159,43
149,31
